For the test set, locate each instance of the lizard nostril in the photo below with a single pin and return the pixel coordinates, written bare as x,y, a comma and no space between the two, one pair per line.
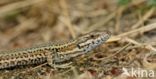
98,41
93,42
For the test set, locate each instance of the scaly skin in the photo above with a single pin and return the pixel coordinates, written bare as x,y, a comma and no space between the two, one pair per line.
56,55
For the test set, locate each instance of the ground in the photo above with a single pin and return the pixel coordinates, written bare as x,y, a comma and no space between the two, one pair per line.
129,51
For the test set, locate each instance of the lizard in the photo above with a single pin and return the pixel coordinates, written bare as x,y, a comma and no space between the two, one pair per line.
55,55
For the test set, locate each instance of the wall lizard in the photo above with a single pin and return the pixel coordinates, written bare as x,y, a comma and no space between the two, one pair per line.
56,55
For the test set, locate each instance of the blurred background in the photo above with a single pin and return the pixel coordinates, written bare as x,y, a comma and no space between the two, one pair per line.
24,23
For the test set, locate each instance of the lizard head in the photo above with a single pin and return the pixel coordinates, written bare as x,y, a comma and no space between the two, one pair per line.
83,44
91,40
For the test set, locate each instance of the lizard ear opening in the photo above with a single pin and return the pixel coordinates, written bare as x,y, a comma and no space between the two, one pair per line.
78,46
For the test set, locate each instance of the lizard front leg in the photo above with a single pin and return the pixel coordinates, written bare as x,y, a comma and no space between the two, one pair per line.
53,58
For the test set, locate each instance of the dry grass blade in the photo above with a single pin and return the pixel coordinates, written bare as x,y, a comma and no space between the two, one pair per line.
26,22
102,22
22,28
147,46
118,17
144,18
111,16
33,68
68,23
123,48
136,32
139,30
14,6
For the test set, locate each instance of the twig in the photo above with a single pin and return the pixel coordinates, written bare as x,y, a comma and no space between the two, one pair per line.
34,68
14,6
102,22
144,18
123,48
149,47
134,47
139,30
64,6
136,31
22,28
119,14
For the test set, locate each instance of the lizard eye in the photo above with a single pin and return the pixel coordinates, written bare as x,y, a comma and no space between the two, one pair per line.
92,36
